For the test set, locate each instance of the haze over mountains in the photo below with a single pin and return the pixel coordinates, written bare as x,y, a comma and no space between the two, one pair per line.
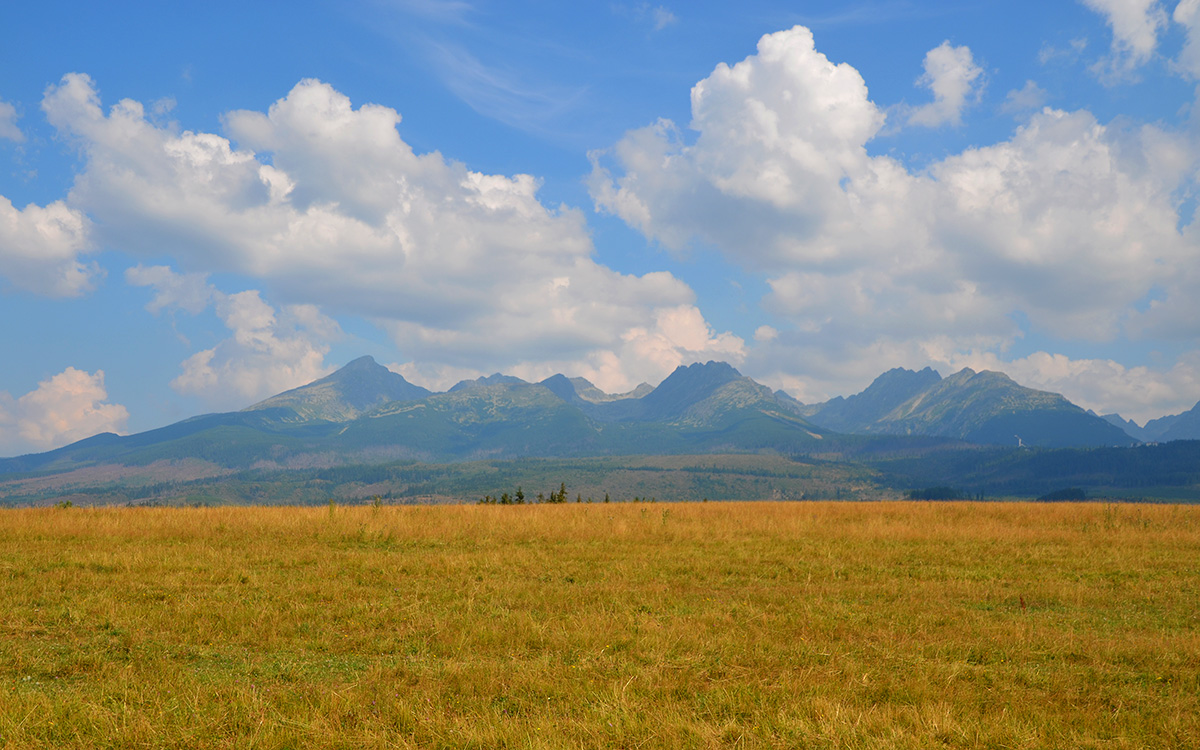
1185,426
705,431
978,407
366,412
353,390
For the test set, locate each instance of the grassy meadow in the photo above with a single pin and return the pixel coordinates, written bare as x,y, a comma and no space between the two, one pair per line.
778,625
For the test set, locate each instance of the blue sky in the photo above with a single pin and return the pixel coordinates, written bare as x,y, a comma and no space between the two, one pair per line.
205,204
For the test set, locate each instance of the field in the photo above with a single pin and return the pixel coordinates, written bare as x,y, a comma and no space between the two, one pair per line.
650,625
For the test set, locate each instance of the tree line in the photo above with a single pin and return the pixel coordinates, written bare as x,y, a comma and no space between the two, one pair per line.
518,497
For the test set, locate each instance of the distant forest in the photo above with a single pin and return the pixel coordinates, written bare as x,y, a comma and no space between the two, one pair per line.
868,469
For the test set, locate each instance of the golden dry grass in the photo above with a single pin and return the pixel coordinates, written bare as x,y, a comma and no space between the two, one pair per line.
890,625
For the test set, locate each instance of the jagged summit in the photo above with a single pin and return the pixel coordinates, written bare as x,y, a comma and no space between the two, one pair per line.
1185,426
493,379
979,407
889,392
561,386
365,410
363,363
1130,427
687,385
358,387
927,374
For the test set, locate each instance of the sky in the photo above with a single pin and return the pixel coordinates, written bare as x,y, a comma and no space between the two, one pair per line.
204,204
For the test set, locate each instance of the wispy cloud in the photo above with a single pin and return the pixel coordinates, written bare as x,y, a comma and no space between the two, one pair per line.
663,18
658,17
1048,53
8,123
500,94
1024,100
459,44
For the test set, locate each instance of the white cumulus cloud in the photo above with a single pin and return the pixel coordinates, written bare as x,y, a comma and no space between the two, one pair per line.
327,205
676,336
955,80
189,292
40,248
776,135
1187,14
64,408
268,351
1070,224
1136,25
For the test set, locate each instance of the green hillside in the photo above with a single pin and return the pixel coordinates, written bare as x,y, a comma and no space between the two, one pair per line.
358,387
978,407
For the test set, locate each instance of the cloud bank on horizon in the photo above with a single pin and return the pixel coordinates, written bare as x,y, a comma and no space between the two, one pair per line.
301,230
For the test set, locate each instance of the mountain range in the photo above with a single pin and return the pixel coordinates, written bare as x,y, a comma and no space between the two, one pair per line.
977,407
365,412
1185,426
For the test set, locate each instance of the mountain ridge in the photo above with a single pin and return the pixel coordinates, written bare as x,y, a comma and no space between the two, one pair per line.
344,394
984,407
1184,426
365,409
